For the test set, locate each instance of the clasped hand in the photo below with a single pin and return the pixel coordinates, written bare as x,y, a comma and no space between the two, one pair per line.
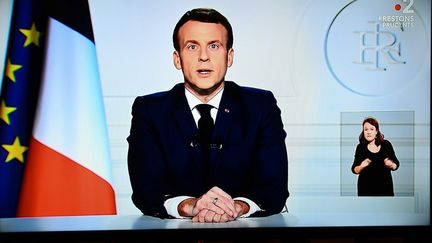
214,206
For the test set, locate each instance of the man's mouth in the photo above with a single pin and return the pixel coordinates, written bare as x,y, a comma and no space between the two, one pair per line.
204,71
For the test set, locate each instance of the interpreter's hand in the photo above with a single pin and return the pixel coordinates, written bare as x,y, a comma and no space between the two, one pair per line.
215,200
365,163
390,164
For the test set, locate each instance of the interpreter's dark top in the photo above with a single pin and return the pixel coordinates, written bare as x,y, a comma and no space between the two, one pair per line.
375,179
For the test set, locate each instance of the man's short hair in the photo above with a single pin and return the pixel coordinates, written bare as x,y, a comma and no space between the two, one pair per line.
206,15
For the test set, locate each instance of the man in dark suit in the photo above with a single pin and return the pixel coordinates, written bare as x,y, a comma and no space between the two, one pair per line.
213,162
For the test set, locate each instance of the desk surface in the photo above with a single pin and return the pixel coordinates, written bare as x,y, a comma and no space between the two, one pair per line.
279,226
141,222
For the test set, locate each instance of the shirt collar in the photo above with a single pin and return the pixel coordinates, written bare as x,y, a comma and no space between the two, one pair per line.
193,100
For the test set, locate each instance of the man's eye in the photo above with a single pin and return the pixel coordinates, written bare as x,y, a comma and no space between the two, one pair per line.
192,47
214,46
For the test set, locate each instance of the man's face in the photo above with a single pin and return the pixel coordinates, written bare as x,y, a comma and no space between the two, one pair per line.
203,56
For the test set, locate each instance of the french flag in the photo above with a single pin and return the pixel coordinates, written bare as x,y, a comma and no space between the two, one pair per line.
68,166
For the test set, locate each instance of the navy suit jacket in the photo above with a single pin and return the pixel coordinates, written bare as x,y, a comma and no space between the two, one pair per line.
248,155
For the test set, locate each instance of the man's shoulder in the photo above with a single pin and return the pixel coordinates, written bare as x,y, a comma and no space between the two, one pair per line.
160,96
252,99
159,102
246,90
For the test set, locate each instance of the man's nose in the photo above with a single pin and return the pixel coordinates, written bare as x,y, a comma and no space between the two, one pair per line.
203,56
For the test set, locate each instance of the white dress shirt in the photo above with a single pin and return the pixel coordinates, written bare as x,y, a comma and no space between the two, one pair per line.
171,204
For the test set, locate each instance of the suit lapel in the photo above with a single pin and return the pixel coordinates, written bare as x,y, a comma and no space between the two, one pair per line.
186,126
183,115
227,116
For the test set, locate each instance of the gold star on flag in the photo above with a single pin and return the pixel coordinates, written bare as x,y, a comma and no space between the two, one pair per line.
16,151
5,111
10,69
32,35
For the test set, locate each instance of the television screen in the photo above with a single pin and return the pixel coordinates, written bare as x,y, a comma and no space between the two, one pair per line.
330,65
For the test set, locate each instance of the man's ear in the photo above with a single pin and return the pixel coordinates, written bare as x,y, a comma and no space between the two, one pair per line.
230,58
177,60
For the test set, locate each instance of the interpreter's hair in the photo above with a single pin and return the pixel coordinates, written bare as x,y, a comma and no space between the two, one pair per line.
379,136
206,15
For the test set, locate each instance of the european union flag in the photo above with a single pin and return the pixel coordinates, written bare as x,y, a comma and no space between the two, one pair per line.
18,100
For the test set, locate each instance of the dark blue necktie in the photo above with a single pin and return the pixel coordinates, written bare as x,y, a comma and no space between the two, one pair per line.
205,125
205,128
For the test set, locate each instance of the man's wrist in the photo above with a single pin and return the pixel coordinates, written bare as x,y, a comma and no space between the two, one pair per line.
171,205
243,206
253,207
185,207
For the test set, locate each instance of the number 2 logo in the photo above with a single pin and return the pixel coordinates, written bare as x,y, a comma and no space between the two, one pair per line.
408,9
